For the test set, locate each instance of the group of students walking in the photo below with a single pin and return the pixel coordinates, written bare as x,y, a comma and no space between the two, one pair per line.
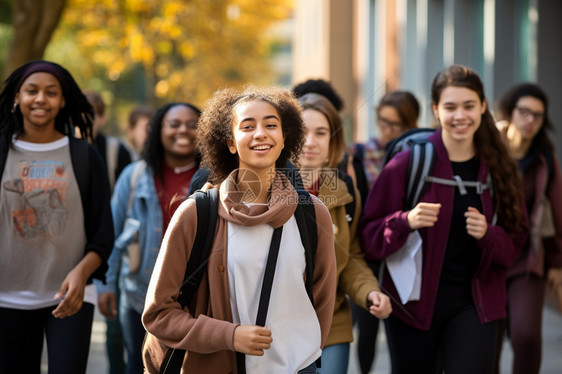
486,259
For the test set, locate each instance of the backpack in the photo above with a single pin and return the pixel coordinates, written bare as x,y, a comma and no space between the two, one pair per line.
420,166
133,249
360,183
357,160
159,358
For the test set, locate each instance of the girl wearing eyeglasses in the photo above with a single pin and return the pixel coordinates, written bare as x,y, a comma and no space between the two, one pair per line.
144,200
396,112
524,128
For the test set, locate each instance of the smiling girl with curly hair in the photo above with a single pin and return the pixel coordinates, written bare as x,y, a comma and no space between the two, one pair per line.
245,138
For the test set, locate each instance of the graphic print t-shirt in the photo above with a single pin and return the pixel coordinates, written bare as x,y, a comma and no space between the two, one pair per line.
41,225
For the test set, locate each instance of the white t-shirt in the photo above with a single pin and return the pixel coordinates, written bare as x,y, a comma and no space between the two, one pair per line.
41,224
291,317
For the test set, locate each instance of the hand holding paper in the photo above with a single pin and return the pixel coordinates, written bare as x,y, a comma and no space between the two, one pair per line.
405,268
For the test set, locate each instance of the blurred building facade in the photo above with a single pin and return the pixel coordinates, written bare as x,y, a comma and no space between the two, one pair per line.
366,47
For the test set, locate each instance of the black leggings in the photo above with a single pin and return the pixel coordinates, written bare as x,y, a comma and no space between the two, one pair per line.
456,342
21,340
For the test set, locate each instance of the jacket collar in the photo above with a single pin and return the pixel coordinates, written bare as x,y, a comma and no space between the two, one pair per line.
333,190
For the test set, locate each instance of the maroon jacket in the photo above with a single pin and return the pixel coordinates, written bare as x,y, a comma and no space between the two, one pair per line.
539,255
384,229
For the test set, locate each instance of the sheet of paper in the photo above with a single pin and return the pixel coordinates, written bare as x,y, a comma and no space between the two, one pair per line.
405,268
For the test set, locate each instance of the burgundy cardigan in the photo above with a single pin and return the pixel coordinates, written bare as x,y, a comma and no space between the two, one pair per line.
384,229
539,255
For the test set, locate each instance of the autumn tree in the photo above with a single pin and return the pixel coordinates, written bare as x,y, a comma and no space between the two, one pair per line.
186,49
34,22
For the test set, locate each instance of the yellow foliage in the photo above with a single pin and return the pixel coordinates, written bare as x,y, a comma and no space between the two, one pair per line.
162,88
193,47
136,46
171,8
187,51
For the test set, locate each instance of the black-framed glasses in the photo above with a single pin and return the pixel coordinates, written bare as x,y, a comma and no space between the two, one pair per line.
175,125
383,122
526,112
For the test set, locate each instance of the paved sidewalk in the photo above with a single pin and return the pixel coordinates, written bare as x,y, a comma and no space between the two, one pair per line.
552,348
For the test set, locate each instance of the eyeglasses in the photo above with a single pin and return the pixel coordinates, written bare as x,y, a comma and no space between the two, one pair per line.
526,112
385,123
175,125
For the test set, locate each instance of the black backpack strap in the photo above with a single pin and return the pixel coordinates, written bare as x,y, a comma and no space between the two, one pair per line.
268,276
361,179
265,293
359,152
342,165
305,216
422,158
207,213
80,156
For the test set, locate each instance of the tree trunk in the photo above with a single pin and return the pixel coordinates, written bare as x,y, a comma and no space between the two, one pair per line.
34,23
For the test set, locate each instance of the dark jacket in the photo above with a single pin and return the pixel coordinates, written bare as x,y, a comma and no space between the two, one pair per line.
92,180
384,229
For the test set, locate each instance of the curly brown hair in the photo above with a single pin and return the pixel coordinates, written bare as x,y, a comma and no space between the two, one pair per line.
488,143
216,125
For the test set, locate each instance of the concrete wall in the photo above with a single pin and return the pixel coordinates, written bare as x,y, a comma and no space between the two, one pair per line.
366,47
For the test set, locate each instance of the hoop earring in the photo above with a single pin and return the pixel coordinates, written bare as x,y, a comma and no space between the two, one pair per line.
14,107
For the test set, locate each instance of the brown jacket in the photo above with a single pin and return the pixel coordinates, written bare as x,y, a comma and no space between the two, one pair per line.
355,278
208,332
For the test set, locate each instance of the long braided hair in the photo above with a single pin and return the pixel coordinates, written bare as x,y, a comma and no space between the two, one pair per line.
76,113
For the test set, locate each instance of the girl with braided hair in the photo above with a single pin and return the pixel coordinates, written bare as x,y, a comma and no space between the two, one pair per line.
56,224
